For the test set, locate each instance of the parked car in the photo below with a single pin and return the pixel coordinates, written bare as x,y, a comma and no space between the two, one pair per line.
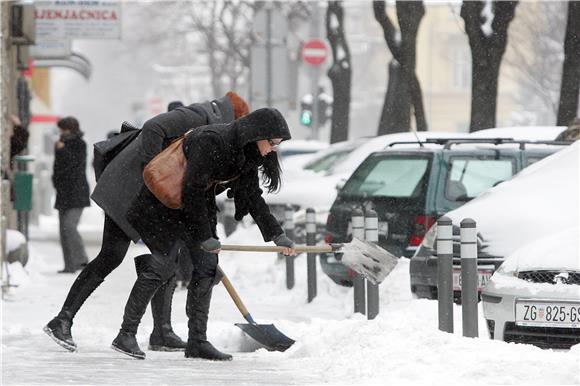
411,185
298,146
318,189
540,200
534,296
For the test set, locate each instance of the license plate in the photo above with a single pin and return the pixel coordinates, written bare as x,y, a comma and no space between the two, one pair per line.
547,313
483,276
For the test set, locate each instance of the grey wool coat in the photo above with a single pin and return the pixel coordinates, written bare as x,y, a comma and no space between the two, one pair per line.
122,179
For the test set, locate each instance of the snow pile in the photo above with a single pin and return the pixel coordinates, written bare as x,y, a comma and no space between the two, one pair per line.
14,240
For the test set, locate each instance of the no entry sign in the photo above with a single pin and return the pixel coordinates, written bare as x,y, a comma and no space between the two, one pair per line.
314,52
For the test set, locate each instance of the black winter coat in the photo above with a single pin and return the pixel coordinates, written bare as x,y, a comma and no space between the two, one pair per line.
122,179
69,174
215,153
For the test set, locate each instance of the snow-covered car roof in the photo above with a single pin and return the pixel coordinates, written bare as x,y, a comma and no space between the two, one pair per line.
539,201
356,157
532,133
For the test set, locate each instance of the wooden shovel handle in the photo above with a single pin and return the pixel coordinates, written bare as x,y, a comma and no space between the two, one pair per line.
274,248
234,295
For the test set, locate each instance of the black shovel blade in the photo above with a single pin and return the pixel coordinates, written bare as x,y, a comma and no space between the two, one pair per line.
267,335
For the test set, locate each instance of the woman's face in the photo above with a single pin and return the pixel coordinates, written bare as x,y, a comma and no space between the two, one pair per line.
267,145
63,131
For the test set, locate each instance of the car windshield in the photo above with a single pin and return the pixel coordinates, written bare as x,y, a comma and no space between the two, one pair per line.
391,176
324,163
468,177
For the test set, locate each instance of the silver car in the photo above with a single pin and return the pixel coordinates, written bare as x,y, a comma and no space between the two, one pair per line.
534,297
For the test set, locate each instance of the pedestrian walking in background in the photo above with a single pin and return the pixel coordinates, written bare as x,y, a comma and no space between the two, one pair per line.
72,191
219,157
117,187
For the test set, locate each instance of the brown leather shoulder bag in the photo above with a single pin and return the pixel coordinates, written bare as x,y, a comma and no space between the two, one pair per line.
164,174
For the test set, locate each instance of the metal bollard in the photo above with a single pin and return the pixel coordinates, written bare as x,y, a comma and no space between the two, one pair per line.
289,230
445,273
358,231
372,235
311,257
230,223
469,277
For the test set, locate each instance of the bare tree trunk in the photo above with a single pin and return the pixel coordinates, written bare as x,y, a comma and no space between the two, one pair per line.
396,114
403,90
410,14
340,72
487,49
570,87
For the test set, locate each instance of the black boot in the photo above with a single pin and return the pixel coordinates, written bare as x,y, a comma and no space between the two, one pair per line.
197,308
148,281
126,343
59,328
163,338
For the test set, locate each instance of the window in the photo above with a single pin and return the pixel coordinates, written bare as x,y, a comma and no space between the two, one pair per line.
468,177
533,159
461,68
325,163
388,177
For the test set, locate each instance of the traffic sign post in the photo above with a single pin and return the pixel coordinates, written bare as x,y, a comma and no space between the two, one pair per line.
314,52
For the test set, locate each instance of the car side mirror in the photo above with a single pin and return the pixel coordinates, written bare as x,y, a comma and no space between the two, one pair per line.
340,184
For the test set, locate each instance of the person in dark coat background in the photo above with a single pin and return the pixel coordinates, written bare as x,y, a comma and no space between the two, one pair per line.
117,187
72,191
218,157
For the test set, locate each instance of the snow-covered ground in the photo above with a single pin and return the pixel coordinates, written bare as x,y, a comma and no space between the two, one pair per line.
401,346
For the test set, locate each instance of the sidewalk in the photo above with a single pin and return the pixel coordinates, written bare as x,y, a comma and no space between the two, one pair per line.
333,345
31,357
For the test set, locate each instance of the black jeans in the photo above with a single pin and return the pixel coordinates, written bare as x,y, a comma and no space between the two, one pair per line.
113,250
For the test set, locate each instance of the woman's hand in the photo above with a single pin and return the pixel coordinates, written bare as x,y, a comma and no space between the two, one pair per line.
59,145
211,245
283,241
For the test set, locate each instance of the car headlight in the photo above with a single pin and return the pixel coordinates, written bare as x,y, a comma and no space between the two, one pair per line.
506,271
430,237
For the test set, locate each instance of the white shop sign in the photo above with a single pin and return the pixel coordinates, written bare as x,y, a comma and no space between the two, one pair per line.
83,19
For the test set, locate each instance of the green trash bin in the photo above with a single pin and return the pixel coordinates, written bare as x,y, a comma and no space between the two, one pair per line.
23,191
23,184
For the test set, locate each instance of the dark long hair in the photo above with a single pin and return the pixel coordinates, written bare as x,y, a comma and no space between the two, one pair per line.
271,172
71,124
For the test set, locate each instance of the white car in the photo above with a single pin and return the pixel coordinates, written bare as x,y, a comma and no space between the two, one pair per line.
540,202
534,297
531,133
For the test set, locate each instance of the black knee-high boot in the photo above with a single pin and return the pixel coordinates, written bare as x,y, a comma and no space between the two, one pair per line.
59,328
163,338
197,309
148,281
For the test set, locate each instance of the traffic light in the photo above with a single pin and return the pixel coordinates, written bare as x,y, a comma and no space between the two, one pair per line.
306,113
324,107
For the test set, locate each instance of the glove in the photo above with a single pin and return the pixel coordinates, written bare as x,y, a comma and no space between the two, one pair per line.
211,244
283,241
